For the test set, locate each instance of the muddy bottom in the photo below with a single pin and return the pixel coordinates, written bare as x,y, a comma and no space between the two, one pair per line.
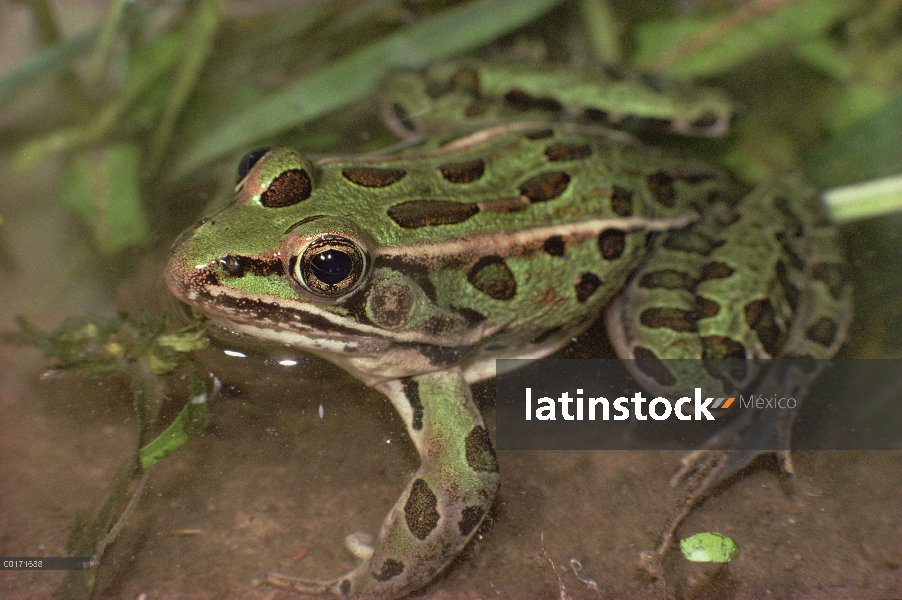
272,486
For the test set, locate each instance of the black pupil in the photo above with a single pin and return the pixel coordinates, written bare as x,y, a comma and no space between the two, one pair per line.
332,266
250,159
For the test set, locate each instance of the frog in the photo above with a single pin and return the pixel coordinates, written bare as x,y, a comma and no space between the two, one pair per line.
415,270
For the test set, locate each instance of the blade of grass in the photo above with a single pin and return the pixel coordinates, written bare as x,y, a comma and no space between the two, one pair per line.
452,32
199,37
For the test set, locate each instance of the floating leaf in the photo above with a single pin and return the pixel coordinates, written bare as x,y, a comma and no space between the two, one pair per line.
709,547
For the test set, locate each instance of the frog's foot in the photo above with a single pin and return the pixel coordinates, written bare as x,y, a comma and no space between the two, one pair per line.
442,504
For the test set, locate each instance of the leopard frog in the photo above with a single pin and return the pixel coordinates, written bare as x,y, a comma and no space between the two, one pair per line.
416,270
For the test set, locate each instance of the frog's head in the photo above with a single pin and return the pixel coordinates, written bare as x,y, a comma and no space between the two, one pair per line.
289,260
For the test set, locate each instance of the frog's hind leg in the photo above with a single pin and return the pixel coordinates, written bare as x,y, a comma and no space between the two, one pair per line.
441,506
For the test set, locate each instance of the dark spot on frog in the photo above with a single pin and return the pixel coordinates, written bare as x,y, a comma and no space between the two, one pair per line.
560,152
430,213
479,451
470,517
555,246
822,332
614,73
411,388
586,286
705,308
649,363
420,510
661,186
761,318
523,101
675,319
464,172
718,347
372,177
622,201
611,243
789,252
790,291
391,568
716,270
472,317
491,276
652,82
794,223
597,115
546,186
540,134
443,356
287,189
345,587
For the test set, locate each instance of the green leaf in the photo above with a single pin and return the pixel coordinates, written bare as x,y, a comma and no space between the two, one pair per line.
709,547
868,149
104,188
706,46
454,31
189,422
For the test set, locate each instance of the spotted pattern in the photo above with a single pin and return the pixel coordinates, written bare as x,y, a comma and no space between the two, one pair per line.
561,152
717,347
412,392
761,317
470,517
586,286
661,186
612,243
546,186
790,290
479,451
420,510
373,178
465,172
429,213
823,331
391,568
705,308
555,246
492,277
649,363
622,201
668,318
289,188
345,586
716,270
523,101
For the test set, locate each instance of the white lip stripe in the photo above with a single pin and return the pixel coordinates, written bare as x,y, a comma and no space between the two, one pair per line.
501,243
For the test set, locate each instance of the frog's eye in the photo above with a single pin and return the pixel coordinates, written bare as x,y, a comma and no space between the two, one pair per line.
330,266
250,159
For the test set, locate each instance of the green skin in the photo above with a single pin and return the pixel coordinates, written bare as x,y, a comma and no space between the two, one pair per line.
501,244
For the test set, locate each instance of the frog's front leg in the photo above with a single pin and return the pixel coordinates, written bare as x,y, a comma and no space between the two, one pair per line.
443,503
